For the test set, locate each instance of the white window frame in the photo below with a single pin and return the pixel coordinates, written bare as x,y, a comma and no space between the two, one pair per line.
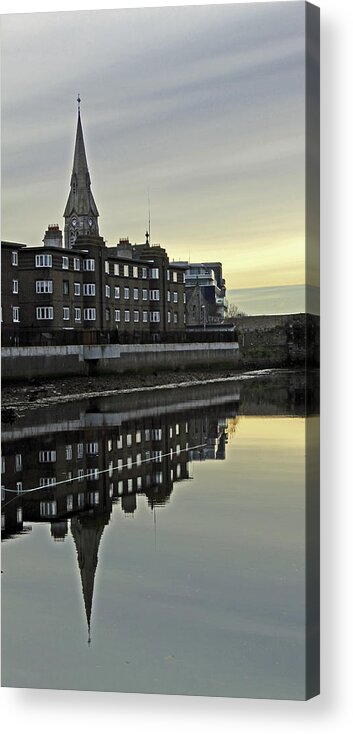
89,264
16,314
145,317
89,289
144,273
47,457
117,314
44,313
107,291
136,317
89,314
175,296
77,314
154,273
126,293
14,258
44,286
66,313
126,271
136,294
77,289
155,317
65,262
15,286
117,292
127,316
77,263
43,261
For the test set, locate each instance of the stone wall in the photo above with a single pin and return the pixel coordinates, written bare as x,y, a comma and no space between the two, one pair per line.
22,363
291,340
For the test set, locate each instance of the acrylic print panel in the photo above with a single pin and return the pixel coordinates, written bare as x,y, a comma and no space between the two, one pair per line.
160,341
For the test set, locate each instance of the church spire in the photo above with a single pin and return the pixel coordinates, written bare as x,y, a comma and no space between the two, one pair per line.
81,214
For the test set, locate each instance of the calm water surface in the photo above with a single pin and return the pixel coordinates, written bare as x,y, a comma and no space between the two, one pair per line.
169,555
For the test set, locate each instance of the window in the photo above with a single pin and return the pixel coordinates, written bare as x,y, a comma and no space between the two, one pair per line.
120,464
65,265
69,502
14,258
129,485
47,457
18,462
77,289
169,317
168,274
48,509
126,293
116,269
89,314
168,297
155,316
136,317
15,286
79,450
136,294
144,294
89,264
117,314
44,313
44,286
154,295
81,499
92,448
175,318
138,459
175,297
129,462
106,267
127,316
107,314
145,316
175,277
171,432
66,314
144,272
147,434
77,264
126,271
68,452
77,314
184,299
89,289
110,469
156,434
19,487
119,442
154,273
139,482
129,439
107,291
2,465
177,429
120,487
138,436
81,476
116,292
110,444
65,287
93,473
43,261
15,314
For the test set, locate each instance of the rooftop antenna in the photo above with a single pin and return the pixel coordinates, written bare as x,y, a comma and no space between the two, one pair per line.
149,216
79,103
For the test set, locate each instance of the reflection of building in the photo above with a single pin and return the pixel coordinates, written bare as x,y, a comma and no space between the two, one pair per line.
95,460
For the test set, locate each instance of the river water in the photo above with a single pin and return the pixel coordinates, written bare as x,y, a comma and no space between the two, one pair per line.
156,541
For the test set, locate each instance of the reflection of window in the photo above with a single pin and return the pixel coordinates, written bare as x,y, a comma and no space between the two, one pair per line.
19,487
48,509
68,453
69,502
135,271
92,447
19,514
47,457
18,462
129,439
80,499
138,436
129,485
47,481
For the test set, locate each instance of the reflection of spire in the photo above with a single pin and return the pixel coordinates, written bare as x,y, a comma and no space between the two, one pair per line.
87,533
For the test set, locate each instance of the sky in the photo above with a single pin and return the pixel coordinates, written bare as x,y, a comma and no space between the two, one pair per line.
199,110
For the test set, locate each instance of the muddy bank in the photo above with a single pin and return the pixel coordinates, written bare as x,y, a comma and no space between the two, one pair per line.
32,393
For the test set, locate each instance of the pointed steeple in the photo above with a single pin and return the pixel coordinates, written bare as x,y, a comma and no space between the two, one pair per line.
81,213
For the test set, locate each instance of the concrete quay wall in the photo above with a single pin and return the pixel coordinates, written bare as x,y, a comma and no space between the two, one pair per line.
21,363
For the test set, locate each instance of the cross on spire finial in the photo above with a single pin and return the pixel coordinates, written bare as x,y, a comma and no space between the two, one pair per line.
79,102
